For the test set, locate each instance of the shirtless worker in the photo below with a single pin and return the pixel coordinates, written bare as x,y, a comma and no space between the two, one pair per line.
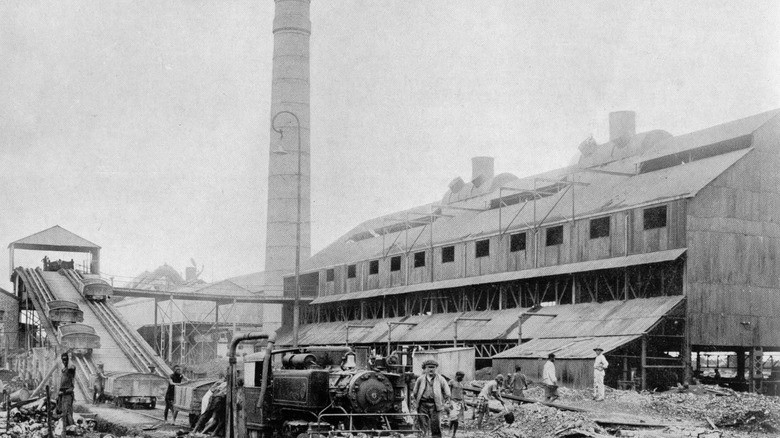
458,402
492,389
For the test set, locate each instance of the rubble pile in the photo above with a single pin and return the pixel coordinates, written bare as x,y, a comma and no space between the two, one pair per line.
536,420
29,421
724,408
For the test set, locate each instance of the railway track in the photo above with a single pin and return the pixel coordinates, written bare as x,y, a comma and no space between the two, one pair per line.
132,344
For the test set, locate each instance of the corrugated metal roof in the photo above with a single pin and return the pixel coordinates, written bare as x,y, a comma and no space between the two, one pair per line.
566,348
254,282
609,318
572,320
712,135
593,265
55,236
604,193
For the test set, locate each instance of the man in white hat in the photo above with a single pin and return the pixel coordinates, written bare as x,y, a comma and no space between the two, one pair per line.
599,365
431,397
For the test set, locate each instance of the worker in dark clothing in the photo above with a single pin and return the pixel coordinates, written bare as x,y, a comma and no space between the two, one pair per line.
99,385
65,392
518,382
174,380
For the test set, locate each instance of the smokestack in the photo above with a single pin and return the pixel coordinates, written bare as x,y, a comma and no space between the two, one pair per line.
622,123
481,167
289,92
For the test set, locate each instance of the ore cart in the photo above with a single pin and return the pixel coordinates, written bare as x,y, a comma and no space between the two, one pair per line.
64,312
188,396
135,389
95,288
80,338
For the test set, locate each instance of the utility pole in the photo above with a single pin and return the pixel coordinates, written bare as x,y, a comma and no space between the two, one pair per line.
455,339
390,332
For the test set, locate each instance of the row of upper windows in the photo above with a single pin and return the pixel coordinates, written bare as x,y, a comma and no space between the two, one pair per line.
654,217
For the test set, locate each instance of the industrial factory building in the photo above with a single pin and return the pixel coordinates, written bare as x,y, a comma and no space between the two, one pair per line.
651,246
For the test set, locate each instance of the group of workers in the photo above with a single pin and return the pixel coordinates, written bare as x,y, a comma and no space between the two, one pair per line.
433,395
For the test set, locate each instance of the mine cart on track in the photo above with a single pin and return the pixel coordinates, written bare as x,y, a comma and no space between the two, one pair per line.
188,396
128,389
95,288
80,338
64,312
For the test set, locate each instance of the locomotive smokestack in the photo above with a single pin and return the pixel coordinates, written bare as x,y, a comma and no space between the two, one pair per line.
289,93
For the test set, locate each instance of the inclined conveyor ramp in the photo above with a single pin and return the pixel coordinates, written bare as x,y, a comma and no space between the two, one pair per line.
111,325
41,294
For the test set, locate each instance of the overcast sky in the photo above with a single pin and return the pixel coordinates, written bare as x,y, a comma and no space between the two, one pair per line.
143,126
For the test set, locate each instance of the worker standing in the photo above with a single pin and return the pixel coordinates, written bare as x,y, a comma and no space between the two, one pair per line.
458,402
519,382
65,392
431,396
492,389
173,380
550,380
99,385
599,365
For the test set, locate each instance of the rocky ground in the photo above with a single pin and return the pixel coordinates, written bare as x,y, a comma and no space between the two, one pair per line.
701,411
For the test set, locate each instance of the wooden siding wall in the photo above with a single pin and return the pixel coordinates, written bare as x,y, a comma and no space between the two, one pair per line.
734,251
466,264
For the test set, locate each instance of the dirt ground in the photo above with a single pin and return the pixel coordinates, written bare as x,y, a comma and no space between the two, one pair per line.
701,411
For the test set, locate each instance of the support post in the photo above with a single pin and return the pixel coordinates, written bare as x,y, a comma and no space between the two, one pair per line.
740,364
686,355
170,330
154,335
644,362
50,434
520,328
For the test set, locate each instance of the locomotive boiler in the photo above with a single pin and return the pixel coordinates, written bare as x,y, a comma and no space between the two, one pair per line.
313,392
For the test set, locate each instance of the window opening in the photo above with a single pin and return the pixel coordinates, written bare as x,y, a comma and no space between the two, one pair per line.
395,263
517,242
599,227
554,235
483,248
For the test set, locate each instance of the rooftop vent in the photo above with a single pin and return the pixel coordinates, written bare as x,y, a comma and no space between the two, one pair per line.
482,166
456,185
622,124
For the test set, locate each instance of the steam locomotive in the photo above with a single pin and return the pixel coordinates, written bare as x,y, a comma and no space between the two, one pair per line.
314,392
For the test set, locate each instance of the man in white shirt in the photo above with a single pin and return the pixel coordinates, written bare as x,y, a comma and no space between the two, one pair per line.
599,365
549,379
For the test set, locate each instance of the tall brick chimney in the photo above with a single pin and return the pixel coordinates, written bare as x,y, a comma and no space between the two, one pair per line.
289,92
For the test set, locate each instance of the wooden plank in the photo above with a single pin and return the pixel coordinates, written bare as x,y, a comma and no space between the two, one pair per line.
476,390
623,422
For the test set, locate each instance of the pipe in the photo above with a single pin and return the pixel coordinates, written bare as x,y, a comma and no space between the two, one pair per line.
232,373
